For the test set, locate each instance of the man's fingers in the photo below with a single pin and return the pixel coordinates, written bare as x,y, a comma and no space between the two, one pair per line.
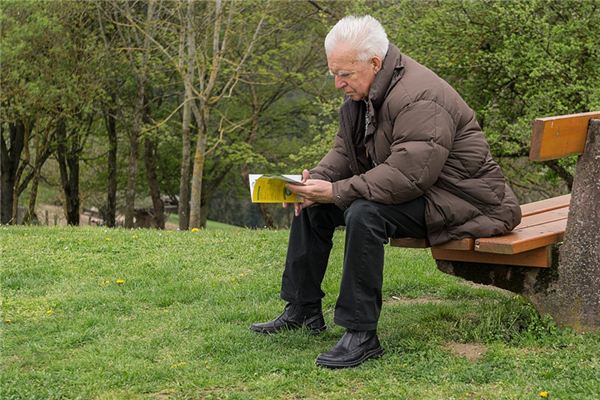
305,175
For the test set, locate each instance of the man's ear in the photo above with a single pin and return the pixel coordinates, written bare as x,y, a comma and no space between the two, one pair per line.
377,63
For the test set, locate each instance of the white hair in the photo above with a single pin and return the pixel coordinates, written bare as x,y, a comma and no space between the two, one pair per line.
365,34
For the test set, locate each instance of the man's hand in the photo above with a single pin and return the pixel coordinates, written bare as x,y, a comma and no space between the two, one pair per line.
313,191
307,203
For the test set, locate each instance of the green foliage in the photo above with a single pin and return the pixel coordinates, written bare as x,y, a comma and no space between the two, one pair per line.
512,61
114,313
323,127
275,98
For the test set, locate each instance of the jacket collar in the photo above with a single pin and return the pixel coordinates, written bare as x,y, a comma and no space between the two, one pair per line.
391,71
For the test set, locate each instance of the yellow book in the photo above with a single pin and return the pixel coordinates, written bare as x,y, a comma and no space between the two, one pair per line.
271,188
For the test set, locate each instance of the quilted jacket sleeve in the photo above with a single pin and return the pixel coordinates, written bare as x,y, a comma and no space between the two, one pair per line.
335,165
422,136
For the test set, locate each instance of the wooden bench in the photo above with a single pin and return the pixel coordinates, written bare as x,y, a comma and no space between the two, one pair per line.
515,261
529,244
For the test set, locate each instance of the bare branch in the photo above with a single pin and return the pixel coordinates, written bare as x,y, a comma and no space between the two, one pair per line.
164,121
321,9
216,56
230,85
219,140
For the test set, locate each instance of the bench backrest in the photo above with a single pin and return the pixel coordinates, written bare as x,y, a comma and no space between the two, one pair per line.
556,137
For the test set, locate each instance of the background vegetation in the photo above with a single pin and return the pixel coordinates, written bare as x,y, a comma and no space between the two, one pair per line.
137,107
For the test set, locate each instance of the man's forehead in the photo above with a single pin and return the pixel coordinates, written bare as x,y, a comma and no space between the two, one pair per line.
341,56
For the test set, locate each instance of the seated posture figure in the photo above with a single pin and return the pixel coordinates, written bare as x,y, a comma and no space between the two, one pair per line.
409,160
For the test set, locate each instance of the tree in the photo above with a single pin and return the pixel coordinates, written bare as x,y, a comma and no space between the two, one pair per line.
272,104
136,37
24,36
42,95
512,62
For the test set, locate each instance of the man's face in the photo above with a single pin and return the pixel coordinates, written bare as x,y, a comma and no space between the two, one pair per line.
353,77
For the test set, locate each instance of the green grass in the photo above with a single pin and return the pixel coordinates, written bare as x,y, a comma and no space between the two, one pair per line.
174,219
220,225
178,325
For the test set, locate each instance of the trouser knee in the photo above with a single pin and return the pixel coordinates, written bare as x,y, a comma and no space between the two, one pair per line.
361,212
323,216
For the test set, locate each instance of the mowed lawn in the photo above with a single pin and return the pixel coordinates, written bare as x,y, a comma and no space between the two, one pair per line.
94,313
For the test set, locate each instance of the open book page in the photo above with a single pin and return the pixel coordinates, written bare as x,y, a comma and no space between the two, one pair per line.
271,188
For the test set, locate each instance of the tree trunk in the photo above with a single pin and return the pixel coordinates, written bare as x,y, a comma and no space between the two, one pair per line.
267,216
10,158
21,165
184,180
186,41
42,145
138,118
72,202
204,213
68,162
110,212
196,200
158,206
31,217
133,156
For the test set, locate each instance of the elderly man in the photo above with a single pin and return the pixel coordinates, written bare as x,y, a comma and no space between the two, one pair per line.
409,160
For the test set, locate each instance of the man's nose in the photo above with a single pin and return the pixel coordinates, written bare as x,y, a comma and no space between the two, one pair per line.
339,82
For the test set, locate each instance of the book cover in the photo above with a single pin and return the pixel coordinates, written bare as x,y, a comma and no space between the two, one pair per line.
271,188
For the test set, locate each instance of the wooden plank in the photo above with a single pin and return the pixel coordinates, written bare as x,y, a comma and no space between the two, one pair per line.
409,242
542,218
519,241
540,258
536,213
538,207
462,244
556,137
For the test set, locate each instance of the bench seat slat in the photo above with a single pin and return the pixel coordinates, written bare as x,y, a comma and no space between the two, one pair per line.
525,239
542,218
540,257
412,243
543,223
538,207
462,244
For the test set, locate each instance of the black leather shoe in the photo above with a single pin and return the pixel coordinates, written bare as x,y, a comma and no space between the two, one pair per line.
294,316
354,348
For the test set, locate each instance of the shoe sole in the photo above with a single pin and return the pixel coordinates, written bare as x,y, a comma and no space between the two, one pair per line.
316,331
375,353
269,332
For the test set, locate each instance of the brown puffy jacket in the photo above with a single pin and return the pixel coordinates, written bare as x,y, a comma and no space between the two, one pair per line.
422,139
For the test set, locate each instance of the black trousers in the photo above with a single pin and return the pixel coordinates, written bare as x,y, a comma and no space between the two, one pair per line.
368,227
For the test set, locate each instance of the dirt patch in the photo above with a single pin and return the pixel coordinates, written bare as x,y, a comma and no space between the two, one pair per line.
470,351
165,394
